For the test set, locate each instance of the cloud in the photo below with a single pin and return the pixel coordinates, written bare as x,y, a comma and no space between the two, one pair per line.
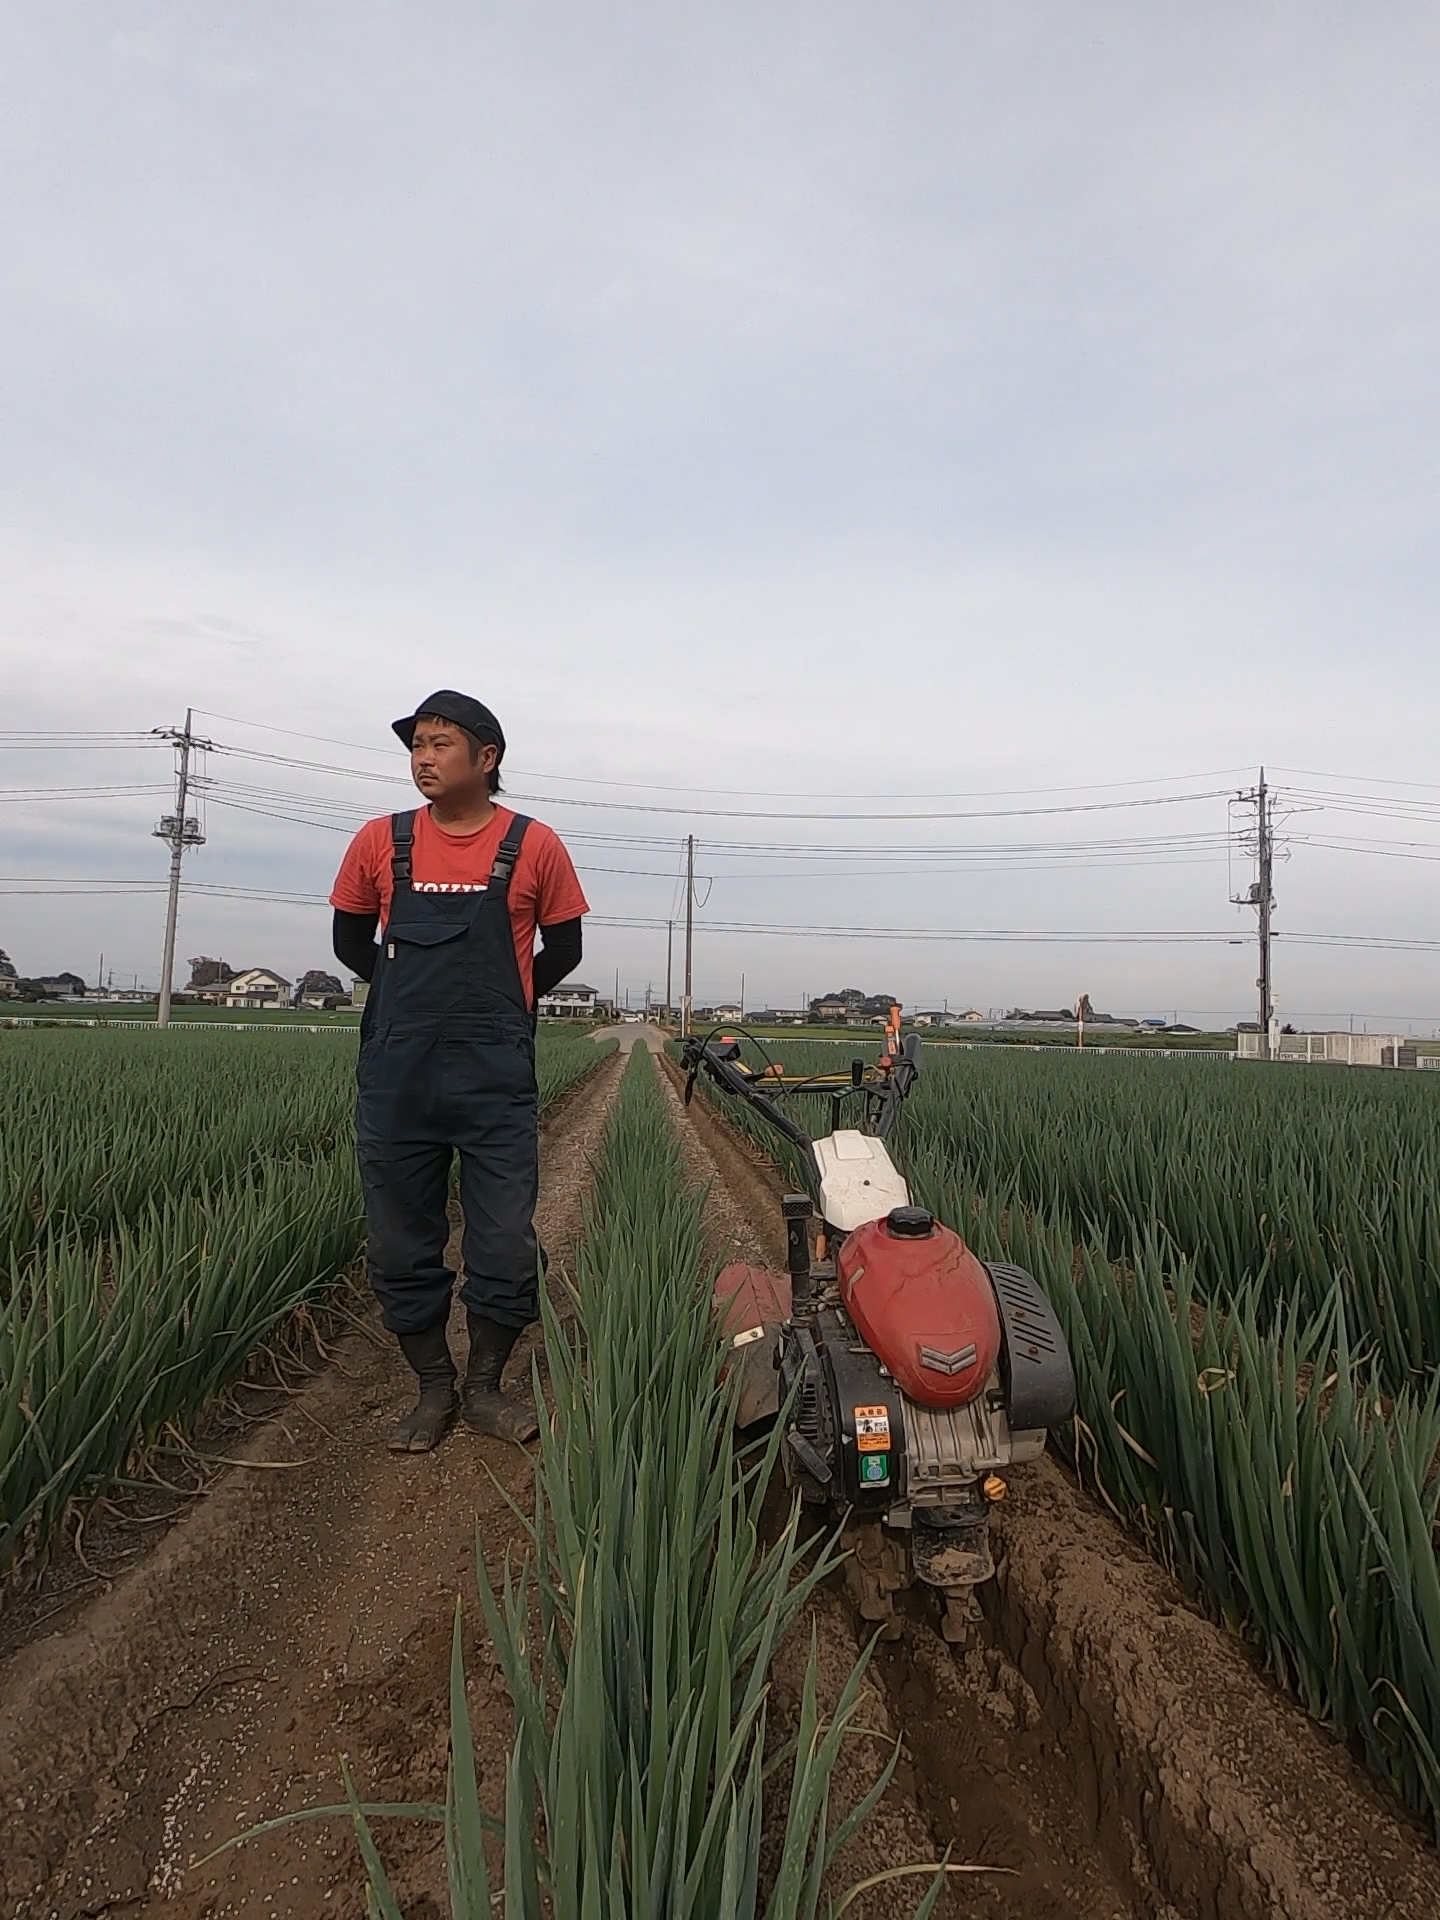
799,399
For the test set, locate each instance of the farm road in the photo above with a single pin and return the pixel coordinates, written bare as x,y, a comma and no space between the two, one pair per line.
300,1613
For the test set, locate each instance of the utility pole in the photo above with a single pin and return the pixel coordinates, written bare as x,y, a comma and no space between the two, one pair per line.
669,950
180,830
686,1002
1266,904
1261,896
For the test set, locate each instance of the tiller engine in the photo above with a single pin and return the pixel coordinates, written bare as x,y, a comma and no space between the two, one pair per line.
912,1375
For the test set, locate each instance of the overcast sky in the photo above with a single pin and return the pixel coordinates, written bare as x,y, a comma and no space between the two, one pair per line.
796,400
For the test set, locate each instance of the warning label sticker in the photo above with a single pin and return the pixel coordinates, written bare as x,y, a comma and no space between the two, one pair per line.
872,1429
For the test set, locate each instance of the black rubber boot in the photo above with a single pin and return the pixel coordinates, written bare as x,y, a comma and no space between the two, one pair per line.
483,1405
424,1426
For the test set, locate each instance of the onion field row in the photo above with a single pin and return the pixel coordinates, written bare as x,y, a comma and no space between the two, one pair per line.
167,1200
636,1636
1246,1261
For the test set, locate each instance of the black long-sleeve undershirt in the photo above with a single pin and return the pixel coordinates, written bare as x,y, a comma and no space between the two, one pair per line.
353,939
560,946
559,954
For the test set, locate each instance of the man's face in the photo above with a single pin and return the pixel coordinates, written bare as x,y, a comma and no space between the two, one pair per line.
441,764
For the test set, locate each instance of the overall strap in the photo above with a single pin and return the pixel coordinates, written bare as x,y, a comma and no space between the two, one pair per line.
506,856
402,840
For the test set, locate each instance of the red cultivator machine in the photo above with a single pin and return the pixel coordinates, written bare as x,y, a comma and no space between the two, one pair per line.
910,1374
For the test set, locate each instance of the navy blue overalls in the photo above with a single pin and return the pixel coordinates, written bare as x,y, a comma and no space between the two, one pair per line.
447,1064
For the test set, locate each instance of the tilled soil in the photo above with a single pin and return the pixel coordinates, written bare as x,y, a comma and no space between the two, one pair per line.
1103,1739
980,1777
1114,1756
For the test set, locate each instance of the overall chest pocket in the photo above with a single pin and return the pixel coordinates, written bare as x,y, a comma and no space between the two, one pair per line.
423,933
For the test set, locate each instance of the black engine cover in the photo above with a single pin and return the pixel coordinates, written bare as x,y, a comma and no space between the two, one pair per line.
846,1436
1035,1364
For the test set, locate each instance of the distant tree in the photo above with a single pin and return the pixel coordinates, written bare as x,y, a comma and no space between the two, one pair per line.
317,981
205,972
7,966
52,986
856,1000
1083,1007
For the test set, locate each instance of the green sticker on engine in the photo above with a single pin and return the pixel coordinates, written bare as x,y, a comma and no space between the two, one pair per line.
875,1469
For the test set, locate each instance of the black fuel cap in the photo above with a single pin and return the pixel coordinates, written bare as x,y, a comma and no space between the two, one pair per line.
910,1223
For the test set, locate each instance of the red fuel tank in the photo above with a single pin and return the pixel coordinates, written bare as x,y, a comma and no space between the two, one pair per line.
924,1304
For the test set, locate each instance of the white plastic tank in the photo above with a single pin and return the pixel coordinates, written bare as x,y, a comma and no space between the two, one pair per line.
858,1180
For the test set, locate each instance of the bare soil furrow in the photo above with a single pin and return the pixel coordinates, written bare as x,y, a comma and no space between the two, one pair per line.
1105,1740
1108,1752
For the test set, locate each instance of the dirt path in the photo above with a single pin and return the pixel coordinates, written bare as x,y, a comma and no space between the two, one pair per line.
298,1614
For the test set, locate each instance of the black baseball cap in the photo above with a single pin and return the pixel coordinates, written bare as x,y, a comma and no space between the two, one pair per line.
473,715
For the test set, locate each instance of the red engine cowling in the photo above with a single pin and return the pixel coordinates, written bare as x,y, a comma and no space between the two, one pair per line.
924,1304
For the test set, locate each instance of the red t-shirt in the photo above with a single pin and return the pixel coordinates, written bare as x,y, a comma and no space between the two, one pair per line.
544,888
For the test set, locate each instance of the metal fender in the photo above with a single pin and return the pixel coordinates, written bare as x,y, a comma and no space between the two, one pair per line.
753,1304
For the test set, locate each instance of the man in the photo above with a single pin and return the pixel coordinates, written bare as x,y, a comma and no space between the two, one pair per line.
459,890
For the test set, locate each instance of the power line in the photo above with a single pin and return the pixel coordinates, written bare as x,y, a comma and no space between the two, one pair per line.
1393,850
1360,779
298,805
37,740
1159,935
21,795
334,814
657,786
27,885
740,813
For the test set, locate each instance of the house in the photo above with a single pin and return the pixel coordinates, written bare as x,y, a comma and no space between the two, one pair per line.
257,987
781,1017
575,1002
